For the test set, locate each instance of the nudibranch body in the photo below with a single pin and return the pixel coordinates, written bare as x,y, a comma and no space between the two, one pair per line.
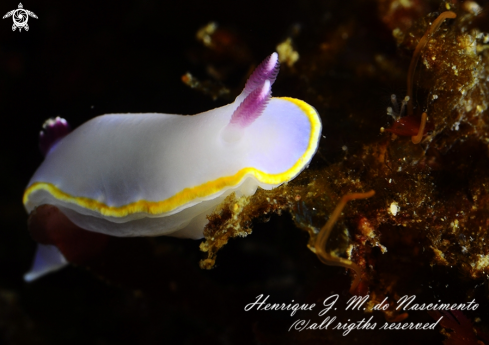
161,174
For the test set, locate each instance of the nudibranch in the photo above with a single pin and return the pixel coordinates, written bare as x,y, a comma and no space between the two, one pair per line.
160,174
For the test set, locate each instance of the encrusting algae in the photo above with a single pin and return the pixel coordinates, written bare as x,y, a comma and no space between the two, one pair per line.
440,187
410,125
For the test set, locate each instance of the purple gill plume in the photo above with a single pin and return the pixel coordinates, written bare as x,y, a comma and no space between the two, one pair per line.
52,131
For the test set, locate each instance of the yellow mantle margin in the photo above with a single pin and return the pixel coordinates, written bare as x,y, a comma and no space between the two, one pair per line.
188,194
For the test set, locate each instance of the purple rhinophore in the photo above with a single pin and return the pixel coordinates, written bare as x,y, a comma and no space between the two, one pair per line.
256,94
253,106
53,130
267,70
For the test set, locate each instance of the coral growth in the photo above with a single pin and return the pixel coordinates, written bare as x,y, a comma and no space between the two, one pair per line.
434,195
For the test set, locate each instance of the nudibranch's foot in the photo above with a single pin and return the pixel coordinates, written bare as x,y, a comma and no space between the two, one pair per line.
52,131
47,259
60,241
319,243
132,262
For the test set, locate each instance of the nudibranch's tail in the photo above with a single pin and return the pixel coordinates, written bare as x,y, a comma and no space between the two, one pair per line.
60,241
53,130
267,70
48,259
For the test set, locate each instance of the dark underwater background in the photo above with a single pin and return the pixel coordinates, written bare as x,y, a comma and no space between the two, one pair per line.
83,59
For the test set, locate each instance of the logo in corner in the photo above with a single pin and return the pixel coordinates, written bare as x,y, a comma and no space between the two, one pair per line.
20,17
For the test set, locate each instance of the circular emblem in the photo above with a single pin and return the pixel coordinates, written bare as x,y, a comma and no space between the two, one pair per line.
20,18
